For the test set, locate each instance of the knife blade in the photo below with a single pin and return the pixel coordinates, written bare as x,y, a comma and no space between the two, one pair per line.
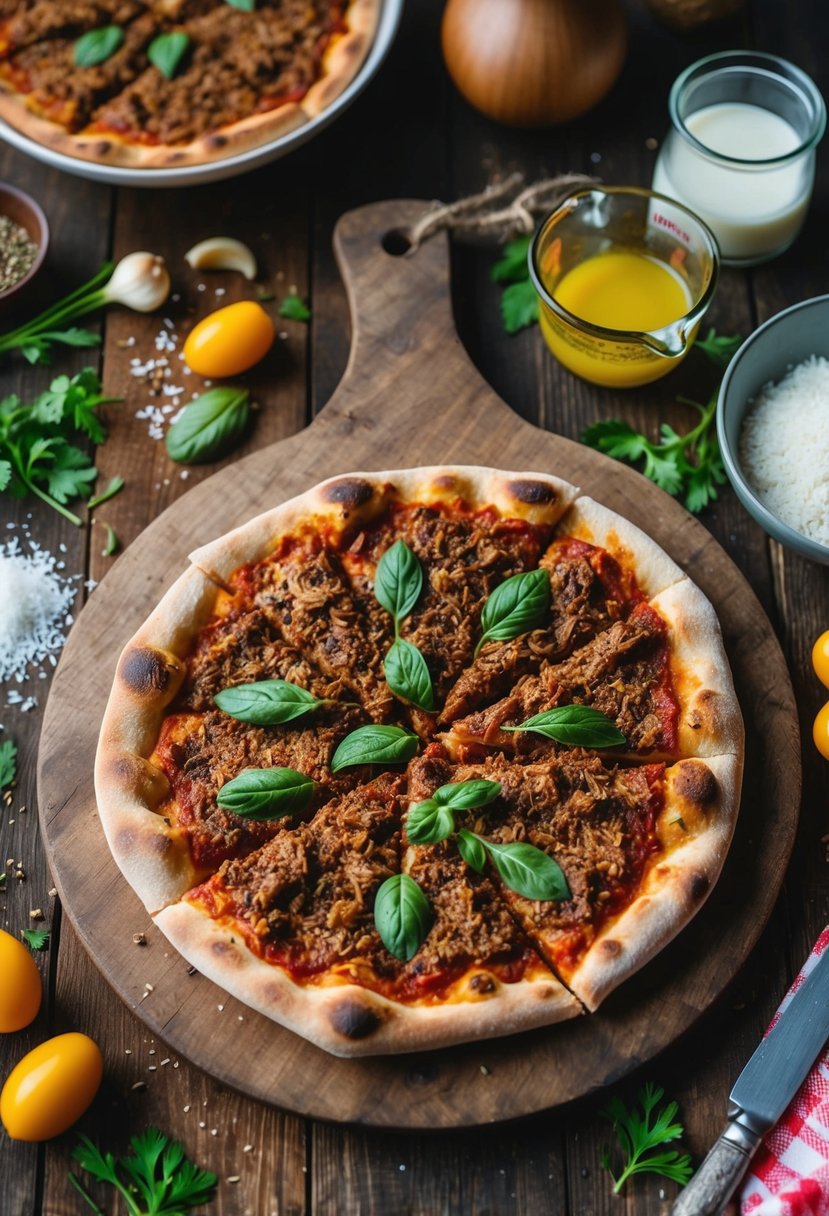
761,1093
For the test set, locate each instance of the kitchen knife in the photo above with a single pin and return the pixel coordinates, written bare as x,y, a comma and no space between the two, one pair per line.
761,1093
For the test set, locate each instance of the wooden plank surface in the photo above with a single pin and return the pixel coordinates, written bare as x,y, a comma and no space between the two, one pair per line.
410,135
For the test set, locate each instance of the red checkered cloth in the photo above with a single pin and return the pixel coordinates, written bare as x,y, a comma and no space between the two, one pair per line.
789,1175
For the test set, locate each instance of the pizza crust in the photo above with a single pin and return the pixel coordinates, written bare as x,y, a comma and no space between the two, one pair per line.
346,1019
589,521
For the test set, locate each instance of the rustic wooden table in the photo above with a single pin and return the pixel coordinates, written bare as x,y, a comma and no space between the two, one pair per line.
409,135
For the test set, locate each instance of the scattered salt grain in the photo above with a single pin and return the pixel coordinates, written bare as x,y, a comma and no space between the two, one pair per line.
784,448
34,600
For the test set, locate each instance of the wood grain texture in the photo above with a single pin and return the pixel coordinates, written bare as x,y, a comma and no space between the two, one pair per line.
401,336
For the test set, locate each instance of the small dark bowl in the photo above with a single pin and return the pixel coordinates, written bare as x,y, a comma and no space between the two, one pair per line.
29,215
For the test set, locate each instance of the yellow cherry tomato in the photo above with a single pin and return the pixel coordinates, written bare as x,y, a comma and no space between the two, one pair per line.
230,340
820,731
820,658
51,1087
20,987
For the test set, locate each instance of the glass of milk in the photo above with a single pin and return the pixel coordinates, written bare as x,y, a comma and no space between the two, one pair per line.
741,150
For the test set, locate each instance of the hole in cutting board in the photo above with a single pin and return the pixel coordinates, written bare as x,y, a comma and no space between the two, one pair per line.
396,242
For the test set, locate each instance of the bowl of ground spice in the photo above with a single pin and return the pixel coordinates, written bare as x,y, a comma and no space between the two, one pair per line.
24,238
773,426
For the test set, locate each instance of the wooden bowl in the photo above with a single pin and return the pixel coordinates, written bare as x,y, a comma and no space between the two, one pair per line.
23,210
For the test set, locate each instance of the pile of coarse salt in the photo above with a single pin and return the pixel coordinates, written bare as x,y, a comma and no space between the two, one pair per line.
784,448
35,603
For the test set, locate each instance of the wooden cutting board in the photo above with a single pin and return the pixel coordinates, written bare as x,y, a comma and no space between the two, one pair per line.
410,396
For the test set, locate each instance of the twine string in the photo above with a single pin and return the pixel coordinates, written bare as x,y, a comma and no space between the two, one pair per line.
478,216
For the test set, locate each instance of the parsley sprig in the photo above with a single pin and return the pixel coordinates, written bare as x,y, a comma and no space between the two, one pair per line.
155,1179
640,1135
519,302
35,939
36,456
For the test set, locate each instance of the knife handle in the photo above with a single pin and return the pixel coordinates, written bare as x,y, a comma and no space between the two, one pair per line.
716,1179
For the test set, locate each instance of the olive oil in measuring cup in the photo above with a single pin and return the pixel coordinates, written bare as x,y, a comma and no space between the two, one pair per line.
623,278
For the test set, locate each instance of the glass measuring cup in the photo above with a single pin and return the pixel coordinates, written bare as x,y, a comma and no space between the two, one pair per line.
623,278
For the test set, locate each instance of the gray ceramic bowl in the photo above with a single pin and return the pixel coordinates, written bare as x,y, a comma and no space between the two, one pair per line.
780,344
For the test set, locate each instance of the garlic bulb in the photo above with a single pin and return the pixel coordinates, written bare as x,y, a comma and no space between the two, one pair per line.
140,281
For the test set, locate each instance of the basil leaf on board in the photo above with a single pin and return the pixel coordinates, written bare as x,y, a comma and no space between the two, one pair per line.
266,702
517,605
471,850
467,795
398,580
97,45
403,916
407,674
375,745
209,426
527,870
266,793
429,823
246,6
577,725
165,52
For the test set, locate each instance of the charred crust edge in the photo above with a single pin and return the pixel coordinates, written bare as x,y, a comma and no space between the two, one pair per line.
145,671
695,781
349,492
354,1020
533,493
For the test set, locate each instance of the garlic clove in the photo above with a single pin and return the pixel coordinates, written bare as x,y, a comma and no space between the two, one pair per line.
222,253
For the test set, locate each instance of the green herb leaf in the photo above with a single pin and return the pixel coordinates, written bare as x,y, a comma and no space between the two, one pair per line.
266,702
512,266
398,581
471,850
467,795
403,916
209,426
35,939
166,50
97,45
69,337
719,348
5,474
70,474
246,6
517,605
638,1135
266,793
294,309
8,763
115,486
112,543
155,1179
576,725
527,870
519,306
375,745
428,822
408,676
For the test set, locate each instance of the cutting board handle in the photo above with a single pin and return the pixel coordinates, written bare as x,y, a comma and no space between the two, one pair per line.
401,313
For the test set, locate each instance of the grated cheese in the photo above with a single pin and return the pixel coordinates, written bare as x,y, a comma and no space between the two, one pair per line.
35,603
784,448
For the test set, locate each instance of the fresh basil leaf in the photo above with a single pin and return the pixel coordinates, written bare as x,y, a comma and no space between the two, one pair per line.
527,870
266,793
407,675
403,916
471,850
398,580
429,823
266,702
294,308
375,745
208,426
246,6
165,51
97,45
517,605
576,725
467,795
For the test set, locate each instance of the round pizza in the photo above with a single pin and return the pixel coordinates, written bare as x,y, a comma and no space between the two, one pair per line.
423,756
169,83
